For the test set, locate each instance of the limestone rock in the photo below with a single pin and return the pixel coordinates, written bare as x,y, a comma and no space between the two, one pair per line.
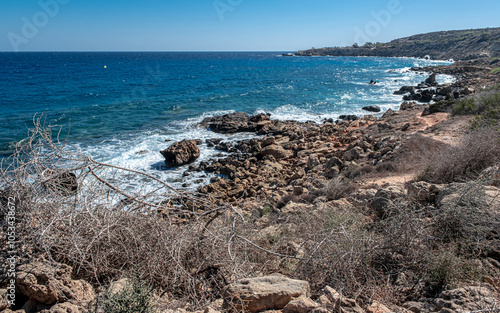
48,284
423,191
264,293
117,286
340,303
300,305
180,153
384,197
276,151
65,307
377,307
468,299
4,303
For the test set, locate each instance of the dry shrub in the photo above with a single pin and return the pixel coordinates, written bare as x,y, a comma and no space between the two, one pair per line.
337,188
476,151
76,210
415,152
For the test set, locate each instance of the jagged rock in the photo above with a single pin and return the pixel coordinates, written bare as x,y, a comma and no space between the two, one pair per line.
50,283
388,113
419,307
348,117
180,153
431,79
4,302
235,122
341,303
405,89
384,197
353,154
300,305
321,310
377,307
372,108
34,306
422,191
63,308
276,151
264,293
407,105
468,299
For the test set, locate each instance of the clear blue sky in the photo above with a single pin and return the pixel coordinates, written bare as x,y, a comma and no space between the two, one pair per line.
223,25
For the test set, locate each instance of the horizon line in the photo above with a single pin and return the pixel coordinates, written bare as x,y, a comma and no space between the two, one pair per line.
158,51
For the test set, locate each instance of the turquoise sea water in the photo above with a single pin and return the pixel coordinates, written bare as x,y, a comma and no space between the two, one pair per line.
123,106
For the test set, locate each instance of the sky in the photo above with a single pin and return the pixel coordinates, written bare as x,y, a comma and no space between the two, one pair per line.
227,25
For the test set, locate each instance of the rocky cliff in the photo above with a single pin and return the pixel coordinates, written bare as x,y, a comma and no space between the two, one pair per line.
457,45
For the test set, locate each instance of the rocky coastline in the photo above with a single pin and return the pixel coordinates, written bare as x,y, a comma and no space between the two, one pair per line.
358,175
359,164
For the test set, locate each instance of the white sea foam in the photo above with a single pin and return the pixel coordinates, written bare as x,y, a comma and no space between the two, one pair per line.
140,152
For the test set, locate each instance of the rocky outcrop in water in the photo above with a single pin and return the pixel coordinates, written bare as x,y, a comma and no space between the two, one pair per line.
235,123
180,153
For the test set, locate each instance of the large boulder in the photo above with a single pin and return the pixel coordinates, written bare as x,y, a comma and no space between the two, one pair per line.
51,283
276,151
264,293
371,108
340,303
63,308
469,299
235,123
422,191
405,89
470,210
385,197
180,153
300,305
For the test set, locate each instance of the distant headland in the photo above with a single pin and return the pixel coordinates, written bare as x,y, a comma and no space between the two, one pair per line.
456,44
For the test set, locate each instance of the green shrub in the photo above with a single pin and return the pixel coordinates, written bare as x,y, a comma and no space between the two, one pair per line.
441,106
466,106
448,269
135,297
494,71
485,105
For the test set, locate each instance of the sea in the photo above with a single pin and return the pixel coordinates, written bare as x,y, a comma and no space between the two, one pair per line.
122,108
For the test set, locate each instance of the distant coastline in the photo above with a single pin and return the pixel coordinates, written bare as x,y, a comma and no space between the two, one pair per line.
457,45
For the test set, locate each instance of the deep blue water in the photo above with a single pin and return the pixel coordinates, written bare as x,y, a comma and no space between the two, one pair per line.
120,104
